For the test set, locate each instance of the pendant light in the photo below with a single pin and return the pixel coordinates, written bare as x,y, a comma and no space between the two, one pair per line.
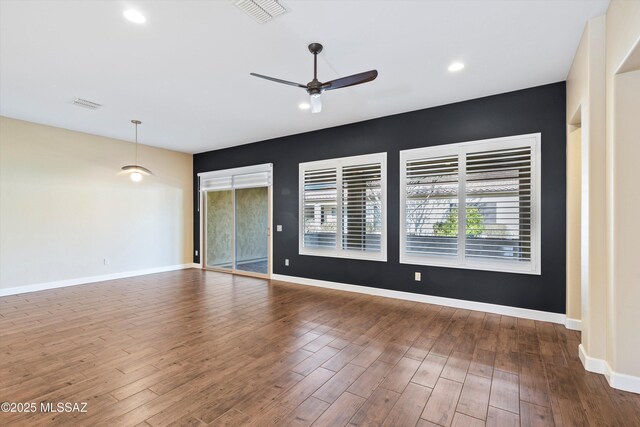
135,171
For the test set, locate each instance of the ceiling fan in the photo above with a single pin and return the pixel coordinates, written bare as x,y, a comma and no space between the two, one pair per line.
315,88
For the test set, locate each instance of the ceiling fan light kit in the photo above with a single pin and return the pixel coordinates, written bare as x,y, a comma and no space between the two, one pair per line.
135,171
315,88
316,102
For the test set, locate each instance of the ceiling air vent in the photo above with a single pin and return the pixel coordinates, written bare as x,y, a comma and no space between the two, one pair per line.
86,104
261,10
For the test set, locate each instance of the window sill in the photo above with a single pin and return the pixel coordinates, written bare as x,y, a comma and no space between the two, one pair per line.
497,267
355,255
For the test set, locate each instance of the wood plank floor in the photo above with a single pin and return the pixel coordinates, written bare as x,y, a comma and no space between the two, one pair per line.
202,348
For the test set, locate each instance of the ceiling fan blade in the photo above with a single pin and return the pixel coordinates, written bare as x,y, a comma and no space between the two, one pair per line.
273,79
353,80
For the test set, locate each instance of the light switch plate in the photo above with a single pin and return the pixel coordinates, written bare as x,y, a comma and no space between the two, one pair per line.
418,276
278,227
286,262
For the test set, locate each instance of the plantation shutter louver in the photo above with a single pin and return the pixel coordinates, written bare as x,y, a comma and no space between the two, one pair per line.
362,207
502,178
320,208
431,194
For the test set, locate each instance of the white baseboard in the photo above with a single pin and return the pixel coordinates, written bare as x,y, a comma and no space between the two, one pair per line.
624,382
616,380
592,364
449,302
573,324
91,279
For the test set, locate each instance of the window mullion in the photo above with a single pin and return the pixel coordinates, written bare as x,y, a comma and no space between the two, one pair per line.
462,205
339,219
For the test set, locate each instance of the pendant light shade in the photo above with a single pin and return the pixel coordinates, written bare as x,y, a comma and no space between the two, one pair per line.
135,171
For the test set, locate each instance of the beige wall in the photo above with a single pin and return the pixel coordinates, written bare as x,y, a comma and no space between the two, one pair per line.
624,277
606,103
63,207
586,107
574,189
623,196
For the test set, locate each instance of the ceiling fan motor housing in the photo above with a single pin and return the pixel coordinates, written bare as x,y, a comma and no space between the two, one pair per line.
314,87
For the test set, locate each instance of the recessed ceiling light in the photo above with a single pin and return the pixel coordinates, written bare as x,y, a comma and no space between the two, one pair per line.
456,66
134,16
304,106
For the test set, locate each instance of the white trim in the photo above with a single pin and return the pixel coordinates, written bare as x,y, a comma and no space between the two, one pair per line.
344,254
234,229
573,324
270,229
502,267
462,211
92,279
616,380
202,200
461,149
338,164
445,148
524,313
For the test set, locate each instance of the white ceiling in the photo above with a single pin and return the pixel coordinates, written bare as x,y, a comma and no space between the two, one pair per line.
185,72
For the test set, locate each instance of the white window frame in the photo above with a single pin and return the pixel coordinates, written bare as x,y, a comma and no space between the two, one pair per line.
461,149
339,163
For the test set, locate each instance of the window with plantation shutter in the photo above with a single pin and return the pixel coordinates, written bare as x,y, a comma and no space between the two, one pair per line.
343,207
319,208
472,205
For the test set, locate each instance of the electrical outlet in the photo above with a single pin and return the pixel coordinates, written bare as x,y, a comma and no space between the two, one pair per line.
286,262
418,276
106,261
196,252
278,227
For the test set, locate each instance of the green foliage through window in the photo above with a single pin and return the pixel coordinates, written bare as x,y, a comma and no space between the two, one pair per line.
449,227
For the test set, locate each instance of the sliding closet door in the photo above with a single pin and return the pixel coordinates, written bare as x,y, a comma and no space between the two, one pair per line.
252,230
219,229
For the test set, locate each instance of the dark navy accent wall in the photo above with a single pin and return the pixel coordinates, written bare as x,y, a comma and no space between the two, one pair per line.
539,109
